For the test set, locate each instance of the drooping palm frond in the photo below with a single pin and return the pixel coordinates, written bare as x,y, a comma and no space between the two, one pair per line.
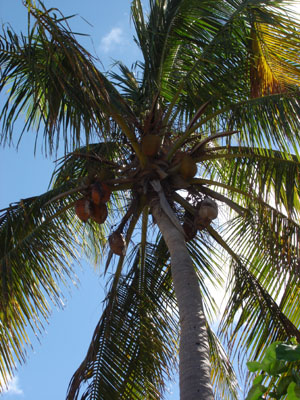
40,236
278,121
55,81
36,250
205,258
134,344
253,318
223,376
278,237
261,321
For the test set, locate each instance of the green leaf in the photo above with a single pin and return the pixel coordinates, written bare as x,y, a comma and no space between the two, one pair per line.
293,391
254,366
270,363
288,352
258,379
283,385
277,367
256,392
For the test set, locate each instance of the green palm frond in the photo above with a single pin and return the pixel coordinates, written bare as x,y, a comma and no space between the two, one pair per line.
268,120
217,65
36,250
264,176
252,318
223,375
54,81
95,161
129,83
40,236
271,233
205,258
134,344
261,320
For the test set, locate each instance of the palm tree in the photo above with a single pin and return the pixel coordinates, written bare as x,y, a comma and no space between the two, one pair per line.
206,124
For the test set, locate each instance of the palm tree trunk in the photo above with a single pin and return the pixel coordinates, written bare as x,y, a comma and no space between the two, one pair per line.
194,364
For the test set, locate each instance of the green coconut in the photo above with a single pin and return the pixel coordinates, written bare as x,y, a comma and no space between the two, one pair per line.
188,167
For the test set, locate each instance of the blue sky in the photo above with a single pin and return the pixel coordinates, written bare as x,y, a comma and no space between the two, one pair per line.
64,342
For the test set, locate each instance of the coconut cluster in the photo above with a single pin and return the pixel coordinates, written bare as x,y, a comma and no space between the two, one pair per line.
183,162
93,205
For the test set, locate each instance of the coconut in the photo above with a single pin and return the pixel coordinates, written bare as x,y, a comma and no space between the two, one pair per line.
83,209
178,157
150,145
117,243
99,213
208,209
100,193
188,167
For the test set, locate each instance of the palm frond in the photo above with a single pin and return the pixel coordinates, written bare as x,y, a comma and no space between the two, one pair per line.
263,175
268,120
36,250
274,60
134,344
55,81
223,375
40,236
252,318
95,161
209,272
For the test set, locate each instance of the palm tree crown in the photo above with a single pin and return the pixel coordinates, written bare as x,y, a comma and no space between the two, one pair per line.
208,121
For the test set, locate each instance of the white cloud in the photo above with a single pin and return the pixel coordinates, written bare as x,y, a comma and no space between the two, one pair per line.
13,387
114,37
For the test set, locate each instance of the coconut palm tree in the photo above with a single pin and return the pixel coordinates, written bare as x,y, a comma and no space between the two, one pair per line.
204,129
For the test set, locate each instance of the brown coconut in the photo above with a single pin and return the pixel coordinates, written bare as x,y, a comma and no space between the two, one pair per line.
188,167
83,209
117,243
100,193
99,213
150,145
208,209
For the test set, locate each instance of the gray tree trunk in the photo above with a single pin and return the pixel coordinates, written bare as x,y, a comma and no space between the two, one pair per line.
194,364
